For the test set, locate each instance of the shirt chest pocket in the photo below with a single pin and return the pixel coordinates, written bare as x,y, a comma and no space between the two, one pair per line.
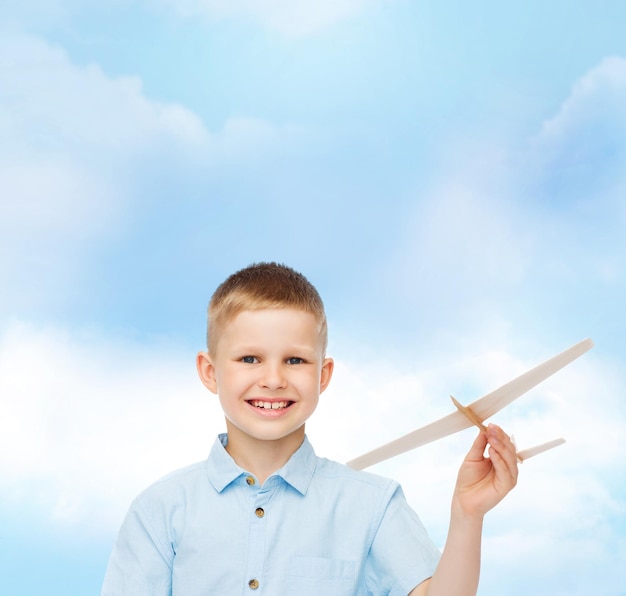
315,576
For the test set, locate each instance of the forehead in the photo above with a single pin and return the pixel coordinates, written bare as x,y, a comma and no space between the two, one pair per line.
274,326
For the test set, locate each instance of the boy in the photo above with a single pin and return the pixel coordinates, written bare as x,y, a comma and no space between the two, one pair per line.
264,515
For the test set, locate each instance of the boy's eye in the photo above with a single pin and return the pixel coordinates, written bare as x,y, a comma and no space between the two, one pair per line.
294,360
249,359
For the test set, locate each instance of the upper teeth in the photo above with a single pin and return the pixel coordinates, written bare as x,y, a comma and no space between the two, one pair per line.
269,405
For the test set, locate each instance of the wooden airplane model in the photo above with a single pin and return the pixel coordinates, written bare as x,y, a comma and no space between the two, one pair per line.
477,412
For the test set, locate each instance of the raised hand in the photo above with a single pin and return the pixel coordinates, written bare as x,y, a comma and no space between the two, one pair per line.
483,481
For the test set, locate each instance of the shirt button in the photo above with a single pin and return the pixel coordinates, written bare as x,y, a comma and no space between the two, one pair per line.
260,512
253,584
250,480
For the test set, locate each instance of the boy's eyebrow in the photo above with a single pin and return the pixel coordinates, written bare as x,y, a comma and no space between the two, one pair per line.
243,347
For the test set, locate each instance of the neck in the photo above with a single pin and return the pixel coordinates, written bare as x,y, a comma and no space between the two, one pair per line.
261,458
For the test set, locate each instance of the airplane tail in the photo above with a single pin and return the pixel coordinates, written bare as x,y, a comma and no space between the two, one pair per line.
526,453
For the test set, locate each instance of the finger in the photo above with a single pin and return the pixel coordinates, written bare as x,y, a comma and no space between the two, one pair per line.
510,454
499,439
505,477
507,452
477,450
502,452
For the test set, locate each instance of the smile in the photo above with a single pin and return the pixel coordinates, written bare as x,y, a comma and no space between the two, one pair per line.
270,405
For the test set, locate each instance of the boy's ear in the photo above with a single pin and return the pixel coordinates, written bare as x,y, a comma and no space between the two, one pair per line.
327,372
206,371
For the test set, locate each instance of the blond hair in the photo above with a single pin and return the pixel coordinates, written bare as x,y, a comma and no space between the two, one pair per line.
260,286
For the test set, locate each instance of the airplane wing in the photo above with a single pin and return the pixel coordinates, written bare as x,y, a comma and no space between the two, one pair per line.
443,427
496,400
484,408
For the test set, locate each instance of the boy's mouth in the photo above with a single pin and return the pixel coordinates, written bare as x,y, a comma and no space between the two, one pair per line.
270,405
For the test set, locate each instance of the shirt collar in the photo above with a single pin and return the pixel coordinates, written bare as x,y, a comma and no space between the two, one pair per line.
297,472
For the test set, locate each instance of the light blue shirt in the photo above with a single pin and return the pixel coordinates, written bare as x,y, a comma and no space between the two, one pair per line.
314,528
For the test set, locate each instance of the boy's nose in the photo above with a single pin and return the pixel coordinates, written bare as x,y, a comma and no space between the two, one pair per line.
273,377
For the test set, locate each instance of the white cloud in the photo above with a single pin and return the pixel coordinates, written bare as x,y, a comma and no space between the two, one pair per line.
465,250
532,222
51,206
578,163
291,18
579,155
76,146
50,103
87,423
51,108
467,223
593,111
68,135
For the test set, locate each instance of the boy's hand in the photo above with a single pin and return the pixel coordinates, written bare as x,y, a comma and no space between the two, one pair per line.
484,481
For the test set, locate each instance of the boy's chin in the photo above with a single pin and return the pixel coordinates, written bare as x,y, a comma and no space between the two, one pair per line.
264,435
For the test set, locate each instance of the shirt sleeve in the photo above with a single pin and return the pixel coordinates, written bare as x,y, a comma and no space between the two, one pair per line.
402,554
142,558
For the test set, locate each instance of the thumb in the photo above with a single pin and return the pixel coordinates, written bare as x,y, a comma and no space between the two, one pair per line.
477,450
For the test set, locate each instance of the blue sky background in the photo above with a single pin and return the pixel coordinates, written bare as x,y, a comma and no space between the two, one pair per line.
452,177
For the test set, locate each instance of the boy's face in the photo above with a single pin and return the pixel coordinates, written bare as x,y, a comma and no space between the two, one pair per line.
268,370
